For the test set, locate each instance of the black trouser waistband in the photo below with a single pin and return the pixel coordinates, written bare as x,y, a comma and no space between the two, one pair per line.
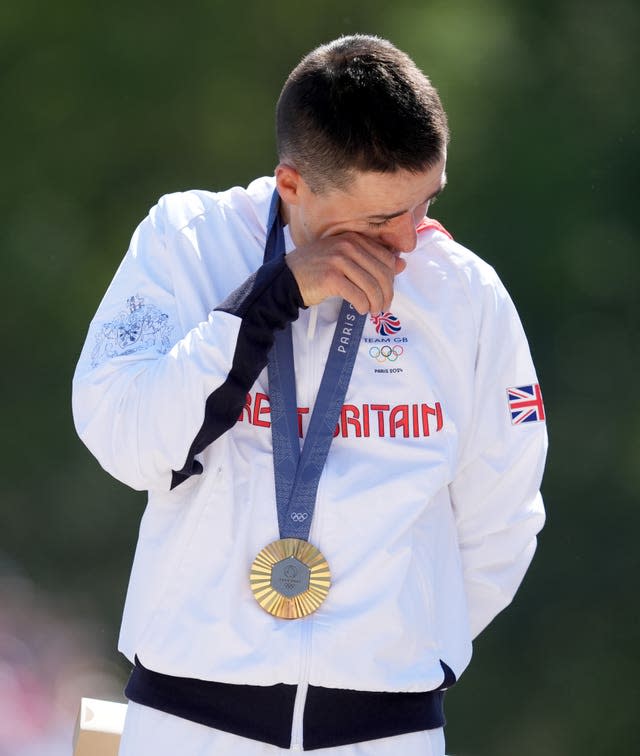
332,717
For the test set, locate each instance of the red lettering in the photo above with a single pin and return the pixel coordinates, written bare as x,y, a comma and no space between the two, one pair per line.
247,407
258,410
416,421
439,418
301,411
380,408
401,410
345,420
404,419
426,412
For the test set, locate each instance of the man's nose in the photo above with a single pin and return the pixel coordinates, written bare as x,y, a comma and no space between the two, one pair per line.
401,233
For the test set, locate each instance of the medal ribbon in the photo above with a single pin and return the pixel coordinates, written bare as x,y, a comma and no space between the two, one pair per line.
297,474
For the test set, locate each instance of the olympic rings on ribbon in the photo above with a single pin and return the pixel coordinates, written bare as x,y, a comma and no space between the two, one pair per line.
386,353
299,516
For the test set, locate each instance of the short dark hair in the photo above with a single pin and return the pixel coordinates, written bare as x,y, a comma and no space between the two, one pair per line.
358,103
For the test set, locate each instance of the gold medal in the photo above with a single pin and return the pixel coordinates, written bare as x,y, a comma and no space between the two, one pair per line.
290,578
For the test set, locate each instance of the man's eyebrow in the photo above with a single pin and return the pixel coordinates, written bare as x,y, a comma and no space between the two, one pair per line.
382,217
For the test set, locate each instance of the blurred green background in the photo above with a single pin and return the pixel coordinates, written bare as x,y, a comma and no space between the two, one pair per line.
107,106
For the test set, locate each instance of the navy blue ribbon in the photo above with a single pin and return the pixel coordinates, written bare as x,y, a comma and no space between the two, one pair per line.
297,474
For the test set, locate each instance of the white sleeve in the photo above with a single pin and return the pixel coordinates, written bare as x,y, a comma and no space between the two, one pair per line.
150,393
495,493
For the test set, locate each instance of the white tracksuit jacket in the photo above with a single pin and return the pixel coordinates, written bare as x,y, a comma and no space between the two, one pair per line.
427,509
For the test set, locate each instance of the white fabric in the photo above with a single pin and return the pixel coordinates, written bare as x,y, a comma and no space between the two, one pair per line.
428,506
147,731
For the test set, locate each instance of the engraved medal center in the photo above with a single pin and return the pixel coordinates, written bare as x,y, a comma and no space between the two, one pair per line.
290,577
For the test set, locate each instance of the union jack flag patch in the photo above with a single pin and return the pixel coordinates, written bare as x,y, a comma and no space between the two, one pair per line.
525,404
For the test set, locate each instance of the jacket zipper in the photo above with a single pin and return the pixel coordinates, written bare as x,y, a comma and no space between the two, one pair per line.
306,634
297,732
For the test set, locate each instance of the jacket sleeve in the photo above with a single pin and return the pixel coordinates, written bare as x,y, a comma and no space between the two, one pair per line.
149,392
495,493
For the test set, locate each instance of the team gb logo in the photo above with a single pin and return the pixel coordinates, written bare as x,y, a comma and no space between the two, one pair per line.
385,323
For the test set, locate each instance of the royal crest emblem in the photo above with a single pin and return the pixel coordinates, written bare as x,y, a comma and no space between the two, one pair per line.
141,327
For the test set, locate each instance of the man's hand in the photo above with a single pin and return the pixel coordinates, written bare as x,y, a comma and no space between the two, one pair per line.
347,265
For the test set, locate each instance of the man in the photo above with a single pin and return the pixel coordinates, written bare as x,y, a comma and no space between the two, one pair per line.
286,595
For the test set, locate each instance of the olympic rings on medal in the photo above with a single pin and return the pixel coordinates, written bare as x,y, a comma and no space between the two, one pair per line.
386,353
299,516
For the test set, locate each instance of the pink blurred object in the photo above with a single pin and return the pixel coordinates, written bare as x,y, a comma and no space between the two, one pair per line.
49,660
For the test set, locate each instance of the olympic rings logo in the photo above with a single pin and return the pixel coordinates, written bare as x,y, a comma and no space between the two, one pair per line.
386,353
299,516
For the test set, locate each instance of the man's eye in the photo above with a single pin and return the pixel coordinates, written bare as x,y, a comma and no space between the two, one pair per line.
380,224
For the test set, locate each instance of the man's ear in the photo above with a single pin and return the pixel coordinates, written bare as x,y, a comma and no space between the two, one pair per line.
290,184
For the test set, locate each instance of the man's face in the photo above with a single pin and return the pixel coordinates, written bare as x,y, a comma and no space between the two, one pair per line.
386,207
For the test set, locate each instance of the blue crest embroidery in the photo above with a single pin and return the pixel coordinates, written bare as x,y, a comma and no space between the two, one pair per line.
140,328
